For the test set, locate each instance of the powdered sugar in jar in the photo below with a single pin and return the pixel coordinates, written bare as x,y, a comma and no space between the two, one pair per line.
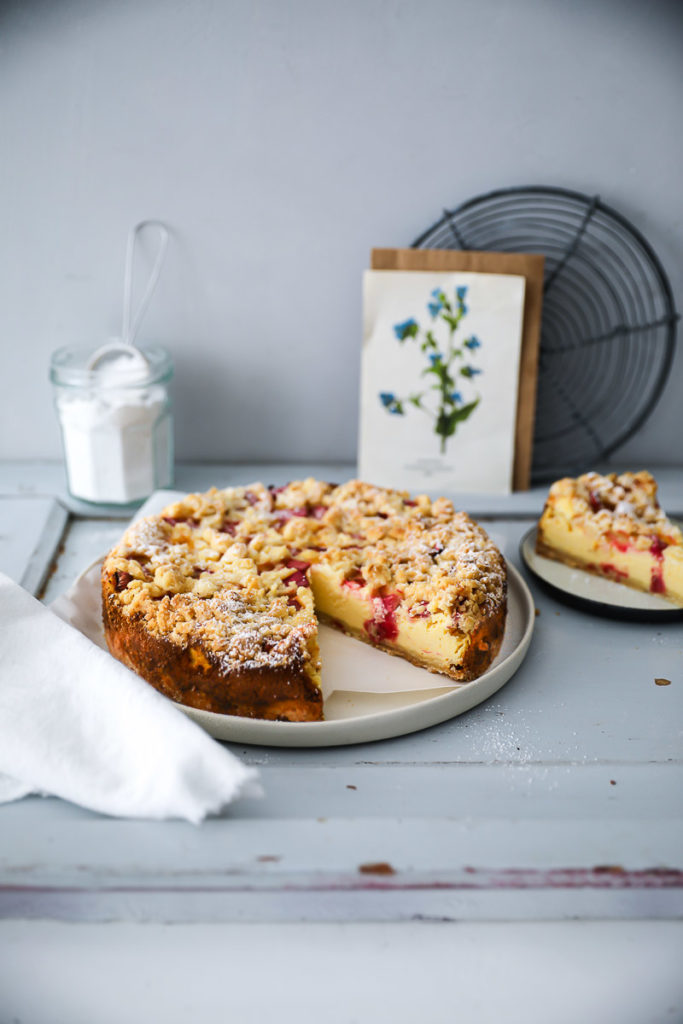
115,415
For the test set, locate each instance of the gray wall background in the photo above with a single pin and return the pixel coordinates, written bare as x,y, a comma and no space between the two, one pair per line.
281,141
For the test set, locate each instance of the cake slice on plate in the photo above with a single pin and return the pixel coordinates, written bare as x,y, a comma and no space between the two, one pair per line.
436,597
612,526
409,575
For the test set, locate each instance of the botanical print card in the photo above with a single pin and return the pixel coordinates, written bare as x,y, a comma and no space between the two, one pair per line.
439,379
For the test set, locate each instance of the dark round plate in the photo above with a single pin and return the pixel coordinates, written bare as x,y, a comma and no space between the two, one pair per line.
608,324
594,594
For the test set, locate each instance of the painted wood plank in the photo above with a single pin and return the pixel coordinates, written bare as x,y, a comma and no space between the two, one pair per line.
552,845
87,540
608,972
30,532
319,903
564,825
61,844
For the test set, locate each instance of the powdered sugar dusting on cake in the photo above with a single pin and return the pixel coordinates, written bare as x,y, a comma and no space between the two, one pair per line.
145,538
229,570
621,502
243,638
624,508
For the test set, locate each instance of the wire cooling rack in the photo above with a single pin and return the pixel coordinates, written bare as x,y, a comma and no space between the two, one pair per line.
609,322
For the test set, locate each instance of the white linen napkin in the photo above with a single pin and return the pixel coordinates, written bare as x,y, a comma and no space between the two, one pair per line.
77,724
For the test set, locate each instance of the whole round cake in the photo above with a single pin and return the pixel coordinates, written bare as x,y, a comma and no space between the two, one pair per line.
216,601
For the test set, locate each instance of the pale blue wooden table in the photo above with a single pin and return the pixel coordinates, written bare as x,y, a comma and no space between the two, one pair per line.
534,845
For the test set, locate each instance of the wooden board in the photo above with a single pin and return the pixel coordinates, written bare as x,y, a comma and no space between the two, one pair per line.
527,265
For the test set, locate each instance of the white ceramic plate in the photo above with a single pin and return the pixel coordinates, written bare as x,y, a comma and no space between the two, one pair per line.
595,593
350,717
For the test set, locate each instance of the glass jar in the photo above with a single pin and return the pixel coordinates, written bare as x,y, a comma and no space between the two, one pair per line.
114,411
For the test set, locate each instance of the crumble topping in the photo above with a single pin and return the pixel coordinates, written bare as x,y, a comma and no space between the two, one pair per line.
624,504
240,631
231,569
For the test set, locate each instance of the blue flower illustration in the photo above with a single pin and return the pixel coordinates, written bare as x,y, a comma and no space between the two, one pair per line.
391,403
437,303
408,329
439,344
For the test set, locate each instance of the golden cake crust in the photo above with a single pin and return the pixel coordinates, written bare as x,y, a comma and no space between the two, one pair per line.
193,676
211,601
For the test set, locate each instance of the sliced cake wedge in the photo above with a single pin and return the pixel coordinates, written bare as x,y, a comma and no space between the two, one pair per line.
613,526
187,608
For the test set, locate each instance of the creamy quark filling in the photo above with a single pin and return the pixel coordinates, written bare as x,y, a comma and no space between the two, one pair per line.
383,620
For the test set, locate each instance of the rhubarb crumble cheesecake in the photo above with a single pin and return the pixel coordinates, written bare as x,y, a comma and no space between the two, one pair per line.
613,526
216,601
